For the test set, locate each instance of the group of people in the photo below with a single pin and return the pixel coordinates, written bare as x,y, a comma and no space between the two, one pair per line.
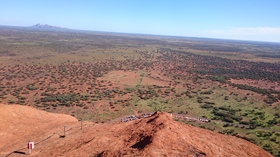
192,119
135,117
145,115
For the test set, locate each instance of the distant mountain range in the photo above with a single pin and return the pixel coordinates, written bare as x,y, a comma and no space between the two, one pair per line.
47,26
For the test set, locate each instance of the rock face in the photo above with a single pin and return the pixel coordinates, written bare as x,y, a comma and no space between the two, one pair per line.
156,136
20,124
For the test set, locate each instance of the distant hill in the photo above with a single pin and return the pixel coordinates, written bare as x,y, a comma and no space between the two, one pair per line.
158,135
38,25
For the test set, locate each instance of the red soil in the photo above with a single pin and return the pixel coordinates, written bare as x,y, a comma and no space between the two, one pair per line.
120,78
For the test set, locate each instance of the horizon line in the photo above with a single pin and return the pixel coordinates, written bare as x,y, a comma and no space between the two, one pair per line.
133,33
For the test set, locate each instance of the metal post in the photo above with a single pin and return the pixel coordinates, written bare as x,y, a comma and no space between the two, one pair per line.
64,131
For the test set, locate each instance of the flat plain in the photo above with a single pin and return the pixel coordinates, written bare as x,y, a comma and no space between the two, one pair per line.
100,76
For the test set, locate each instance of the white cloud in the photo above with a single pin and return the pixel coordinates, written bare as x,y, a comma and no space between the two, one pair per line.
247,33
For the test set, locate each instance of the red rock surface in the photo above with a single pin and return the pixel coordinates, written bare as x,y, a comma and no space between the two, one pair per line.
20,124
156,136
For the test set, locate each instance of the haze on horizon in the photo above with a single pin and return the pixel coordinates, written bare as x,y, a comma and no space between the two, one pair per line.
256,20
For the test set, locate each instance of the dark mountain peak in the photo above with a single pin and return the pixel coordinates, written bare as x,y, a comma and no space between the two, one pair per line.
38,25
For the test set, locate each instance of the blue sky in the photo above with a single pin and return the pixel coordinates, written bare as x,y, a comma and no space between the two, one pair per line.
229,19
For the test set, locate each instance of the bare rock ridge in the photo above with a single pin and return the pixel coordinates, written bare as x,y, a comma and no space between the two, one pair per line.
158,135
